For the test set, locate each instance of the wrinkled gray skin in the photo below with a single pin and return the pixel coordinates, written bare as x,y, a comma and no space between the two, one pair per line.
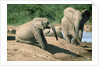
72,24
32,32
50,33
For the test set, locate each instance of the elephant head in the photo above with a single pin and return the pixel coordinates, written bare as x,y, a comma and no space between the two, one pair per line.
80,19
85,14
43,23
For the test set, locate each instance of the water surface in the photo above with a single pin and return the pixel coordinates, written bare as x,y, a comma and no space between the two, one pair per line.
87,36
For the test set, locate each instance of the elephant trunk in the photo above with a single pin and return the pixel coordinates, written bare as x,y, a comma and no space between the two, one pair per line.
77,32
53,28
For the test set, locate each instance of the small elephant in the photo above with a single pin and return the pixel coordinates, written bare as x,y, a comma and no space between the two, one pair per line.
50,33
72,24
32,32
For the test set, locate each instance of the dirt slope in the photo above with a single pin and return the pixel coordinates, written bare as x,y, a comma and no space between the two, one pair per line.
56,51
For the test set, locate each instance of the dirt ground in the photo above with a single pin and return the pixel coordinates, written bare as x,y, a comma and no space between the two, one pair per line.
57,50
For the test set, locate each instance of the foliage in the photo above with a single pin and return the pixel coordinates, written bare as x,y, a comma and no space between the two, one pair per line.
21,13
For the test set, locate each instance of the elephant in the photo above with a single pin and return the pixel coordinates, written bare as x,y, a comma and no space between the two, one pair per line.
72,24
50,33
32,32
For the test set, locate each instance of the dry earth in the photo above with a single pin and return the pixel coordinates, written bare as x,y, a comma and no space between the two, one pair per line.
56,50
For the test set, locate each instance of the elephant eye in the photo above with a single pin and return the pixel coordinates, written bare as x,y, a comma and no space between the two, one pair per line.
48,23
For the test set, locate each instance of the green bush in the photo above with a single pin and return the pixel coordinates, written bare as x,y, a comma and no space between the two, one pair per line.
20,13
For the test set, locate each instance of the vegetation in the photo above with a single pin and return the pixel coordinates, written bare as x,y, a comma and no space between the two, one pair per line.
20,13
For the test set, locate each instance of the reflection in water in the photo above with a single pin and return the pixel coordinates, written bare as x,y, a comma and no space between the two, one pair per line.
87,36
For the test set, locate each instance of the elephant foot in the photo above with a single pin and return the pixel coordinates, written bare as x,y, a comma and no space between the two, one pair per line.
44,47
76,43
40,46
17,40
37,44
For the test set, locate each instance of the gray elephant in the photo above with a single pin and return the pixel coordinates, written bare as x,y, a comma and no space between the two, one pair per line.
32,31
50,33
72,24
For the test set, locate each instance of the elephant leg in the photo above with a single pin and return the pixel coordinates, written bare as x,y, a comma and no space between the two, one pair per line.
67,38
23,41
74,41
37,44
80,34
38,34
70,37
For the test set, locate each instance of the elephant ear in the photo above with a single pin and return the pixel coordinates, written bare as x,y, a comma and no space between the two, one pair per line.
38,24
69,14
85,15
45,22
